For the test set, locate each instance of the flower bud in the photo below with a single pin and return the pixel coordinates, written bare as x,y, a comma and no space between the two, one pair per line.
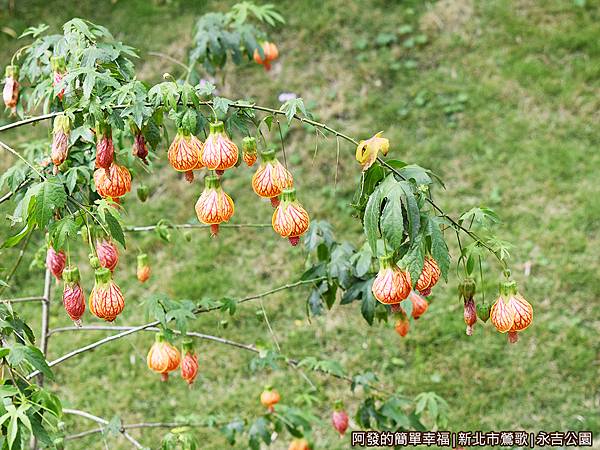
143,268
60,139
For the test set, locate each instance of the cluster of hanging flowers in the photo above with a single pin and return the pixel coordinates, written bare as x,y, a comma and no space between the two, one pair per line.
219,154
393,285
164,358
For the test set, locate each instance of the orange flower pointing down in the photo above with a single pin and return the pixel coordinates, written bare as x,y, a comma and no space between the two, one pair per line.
163,357
271,177
185,154
106,300
511,313
114,182
219,152
214,206
430,275
392,284
290,220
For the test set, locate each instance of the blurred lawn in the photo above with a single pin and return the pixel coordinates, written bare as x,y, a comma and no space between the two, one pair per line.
501,98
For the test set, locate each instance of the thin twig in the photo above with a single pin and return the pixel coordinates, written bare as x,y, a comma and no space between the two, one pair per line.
169,58
154,323
17,263
137,426
102,421
21,299
45,317
18,155
198,225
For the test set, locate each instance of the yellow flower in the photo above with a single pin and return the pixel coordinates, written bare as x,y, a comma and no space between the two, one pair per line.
367,151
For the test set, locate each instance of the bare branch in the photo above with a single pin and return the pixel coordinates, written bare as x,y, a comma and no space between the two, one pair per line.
102,421
133,330
198,225
21,300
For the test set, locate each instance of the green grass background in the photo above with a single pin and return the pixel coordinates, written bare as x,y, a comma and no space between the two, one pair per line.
502,101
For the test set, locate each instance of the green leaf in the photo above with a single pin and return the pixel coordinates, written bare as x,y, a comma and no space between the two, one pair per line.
392,221
62,230
414,259
371,219
439,249
50,197
113,427
259,431
412,208
32,355
116,231
14,240
367,307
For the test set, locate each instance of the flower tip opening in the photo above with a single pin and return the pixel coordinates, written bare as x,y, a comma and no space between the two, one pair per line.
189,176
164,377
294,240
214,229
275,201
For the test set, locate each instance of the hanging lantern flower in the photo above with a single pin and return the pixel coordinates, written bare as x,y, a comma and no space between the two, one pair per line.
269,398
466,290
163,357
185,153
429,276
60,139
402,324
55,262
419,304
140,149
502,313
59,70
339,419
106,300
392,284
73,297
10,93
108,254
290,220
249,153
189,362
143,268
114,182
270,52
105,150
214,206
219,152
523,313
271,178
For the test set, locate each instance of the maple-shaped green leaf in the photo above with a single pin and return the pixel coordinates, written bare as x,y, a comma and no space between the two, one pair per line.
51,196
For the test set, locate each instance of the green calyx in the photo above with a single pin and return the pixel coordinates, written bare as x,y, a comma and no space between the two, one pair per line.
58,63
387,261
102,129
483,312
338,405
467,288
212,182
288,195
62,123
249,144
159,337
102,275
183,133
71,274
94,262
187,346
268,155
142,192
217,127
11,72
142,260
508,288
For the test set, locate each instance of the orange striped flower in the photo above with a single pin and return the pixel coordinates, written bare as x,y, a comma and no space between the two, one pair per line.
523,315
185,154
402,324
271,178
269,398
105,149
249,150
429,276
114,182
55,262
60,139
189,362
73,297
214,206
106,300
290,220
10,93
502,313
219,152
163,357
270,52
419,304
59,70
392,284
108,254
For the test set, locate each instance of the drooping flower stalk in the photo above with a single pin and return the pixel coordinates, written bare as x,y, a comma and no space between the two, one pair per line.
106,300
290,220
271,178
73,297
219,152
214,206
392,284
